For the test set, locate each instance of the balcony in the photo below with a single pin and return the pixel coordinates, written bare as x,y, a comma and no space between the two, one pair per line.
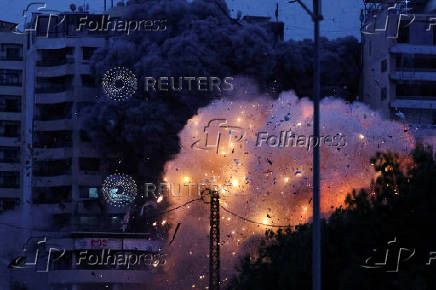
53,98
55,71
403,48
52,153
61,180
414,103
56,125
53,139
414,76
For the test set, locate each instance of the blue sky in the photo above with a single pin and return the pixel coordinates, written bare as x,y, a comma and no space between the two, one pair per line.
341,17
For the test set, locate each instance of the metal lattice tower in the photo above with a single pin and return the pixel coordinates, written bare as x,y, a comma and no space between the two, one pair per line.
214,246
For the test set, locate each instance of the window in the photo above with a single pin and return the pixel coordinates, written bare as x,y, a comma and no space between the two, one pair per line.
383,94
89,164
10,104
416,89
9,179
10,77
10,128
88,81
384,65
9,154
88,192
53,139
52,167
11,51
9,203
53,85
54,112
47,195
84,136
434,34
88,52
403,33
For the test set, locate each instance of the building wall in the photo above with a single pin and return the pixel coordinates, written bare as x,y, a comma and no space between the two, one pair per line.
408,86
12,117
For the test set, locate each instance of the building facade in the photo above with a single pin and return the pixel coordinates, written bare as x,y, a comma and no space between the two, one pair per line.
399,64
12,115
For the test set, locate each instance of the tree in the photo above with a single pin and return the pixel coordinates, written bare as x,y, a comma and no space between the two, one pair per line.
400,206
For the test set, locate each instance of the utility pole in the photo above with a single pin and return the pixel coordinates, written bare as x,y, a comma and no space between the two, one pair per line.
214,246
316,223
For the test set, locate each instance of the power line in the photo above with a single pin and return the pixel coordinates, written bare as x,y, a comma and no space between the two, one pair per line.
252,221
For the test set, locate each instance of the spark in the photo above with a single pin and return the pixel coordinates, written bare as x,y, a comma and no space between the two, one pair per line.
159,199
186,179
265,222
361,136
286,179
154,224
164,222
235,182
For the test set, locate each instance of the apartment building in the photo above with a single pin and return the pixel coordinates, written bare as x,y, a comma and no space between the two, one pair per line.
66,168
12,117
399,63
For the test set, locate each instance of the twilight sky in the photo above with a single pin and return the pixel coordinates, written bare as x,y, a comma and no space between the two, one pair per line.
341,17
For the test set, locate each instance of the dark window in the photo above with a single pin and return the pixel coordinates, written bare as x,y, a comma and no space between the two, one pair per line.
416,90
10,104
384,65
52,139
52,57
46,195
433,28
84,136
89,165
9,179
88,52
383,93
434,118
9,154
9,203
53,85
11,51
403,33
10,128
10,77
88,81
54,112
52,167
